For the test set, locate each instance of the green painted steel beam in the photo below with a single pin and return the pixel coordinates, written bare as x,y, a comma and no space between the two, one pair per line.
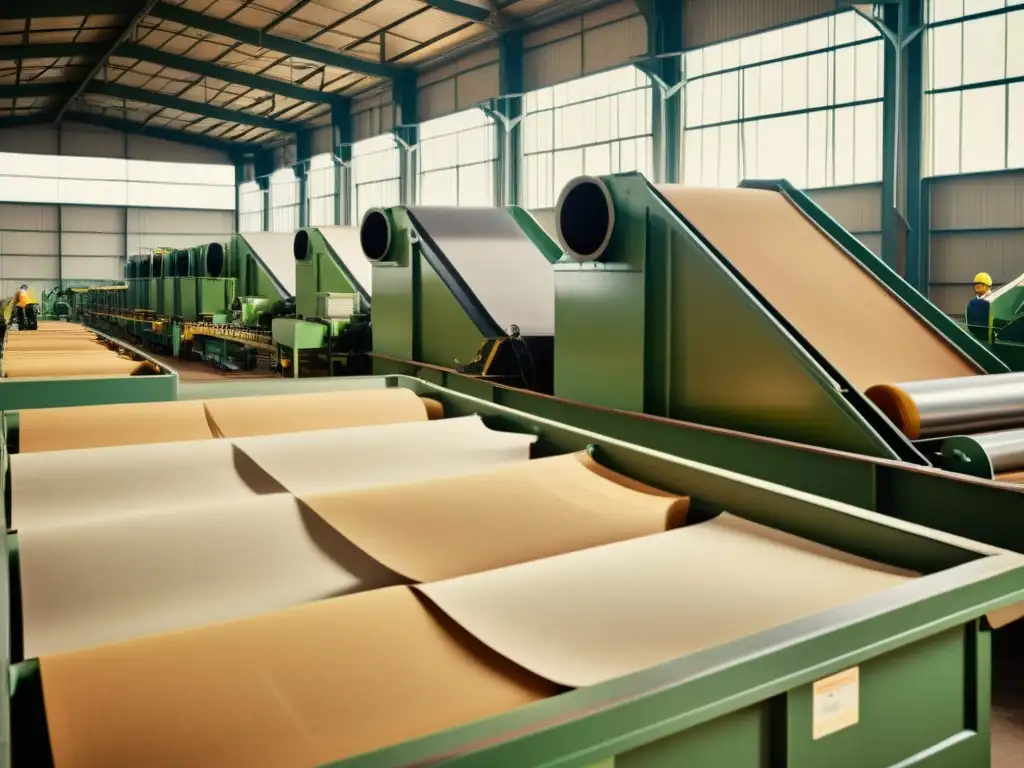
227,74
407,131
51,9
664,40
35,90
510,108
118,91
281,44
155,131
474,10
50,50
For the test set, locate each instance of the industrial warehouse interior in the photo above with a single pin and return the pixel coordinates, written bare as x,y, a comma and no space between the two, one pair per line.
512,383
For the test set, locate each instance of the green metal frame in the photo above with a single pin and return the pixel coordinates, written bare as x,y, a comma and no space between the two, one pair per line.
923,649
321,271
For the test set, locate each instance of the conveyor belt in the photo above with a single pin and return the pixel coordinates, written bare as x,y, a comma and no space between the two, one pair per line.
491,266
274,251
831,300
344,245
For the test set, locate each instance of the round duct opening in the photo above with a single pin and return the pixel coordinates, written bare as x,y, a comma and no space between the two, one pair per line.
375,234
214,259
300,245
585,218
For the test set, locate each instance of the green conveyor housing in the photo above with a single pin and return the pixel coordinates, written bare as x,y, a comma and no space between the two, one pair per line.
919,651
739,308
263,265
445,279
328,260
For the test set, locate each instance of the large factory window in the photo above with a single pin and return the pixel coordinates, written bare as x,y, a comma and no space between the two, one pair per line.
250,207
598,124
376,175
284,201
457,154
115,181
321,190
974,98
803,102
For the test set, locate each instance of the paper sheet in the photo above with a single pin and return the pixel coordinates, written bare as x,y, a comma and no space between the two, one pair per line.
329,460
55,488
277,414
274,249
839,307
297,688
108,580
58,344
344,241
501,266
68,365
597,614
97,426
452,526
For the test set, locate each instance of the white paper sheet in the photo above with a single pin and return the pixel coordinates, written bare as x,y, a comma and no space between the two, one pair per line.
57,487
275,251
344,241
104,581
359,457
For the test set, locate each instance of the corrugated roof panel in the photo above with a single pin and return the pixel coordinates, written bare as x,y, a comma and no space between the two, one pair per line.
296,29
428,25
388,11
471,32
254,17
220,9
58,22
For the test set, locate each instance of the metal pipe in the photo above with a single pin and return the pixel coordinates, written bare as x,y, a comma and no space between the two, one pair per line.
375,234
585,218
945,407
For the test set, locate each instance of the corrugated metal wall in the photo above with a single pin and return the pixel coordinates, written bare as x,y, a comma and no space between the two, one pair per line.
373,114
460,85
977,226
92,242
602,39
711,21
858,208
156,227
29,246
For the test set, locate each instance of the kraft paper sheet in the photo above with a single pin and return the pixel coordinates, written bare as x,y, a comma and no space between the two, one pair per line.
58,345
597,614
838,306
324,461
448,527
278,414
68,365
98,426
56,488
292,689
107,580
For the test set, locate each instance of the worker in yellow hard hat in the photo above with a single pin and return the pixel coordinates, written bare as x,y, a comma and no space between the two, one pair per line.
25,305
982,284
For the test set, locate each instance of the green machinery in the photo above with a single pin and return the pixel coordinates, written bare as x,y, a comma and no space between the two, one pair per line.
922,652
998,321
330,330
464,288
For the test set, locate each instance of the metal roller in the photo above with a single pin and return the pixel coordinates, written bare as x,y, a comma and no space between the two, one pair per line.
585,218
375,234
944,407
989,454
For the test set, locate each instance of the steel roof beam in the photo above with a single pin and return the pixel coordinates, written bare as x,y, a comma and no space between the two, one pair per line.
227,74
51,9
130,93
473,10
283,45
50,50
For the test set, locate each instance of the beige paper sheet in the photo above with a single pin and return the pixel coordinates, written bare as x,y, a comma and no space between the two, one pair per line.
594,615
330,460
277,414
56,488
68,365
108,580
452,526
293,689
98,426
57,346
840,308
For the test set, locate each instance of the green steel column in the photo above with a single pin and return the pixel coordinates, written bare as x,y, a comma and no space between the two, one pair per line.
407,133
665,67
263,167
303,153
903,239
239,181
341,131
509,113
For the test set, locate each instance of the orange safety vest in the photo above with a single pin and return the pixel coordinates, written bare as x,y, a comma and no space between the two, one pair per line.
23,299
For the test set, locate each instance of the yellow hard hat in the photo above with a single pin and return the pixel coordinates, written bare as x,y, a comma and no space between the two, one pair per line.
983,278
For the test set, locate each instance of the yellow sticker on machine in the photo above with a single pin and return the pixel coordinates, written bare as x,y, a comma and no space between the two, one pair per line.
836,702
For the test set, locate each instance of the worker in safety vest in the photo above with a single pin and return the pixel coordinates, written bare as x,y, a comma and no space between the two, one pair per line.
982,285
26,306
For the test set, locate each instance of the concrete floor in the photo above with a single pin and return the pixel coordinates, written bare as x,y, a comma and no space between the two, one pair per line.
1008,697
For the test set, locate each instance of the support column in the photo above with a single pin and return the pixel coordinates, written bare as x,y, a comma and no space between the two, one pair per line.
341,141
239,181
303,153
406,131
263,166
507,110
665,67
904,222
